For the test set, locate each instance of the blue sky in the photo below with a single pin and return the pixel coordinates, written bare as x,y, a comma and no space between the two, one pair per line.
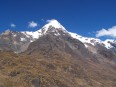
84,17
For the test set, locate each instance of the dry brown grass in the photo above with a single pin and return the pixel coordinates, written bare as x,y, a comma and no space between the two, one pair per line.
38,70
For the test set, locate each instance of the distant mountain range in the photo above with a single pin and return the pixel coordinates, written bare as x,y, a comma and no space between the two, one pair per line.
19,41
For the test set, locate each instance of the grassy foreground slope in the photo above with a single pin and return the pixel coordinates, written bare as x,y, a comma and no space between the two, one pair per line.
55,70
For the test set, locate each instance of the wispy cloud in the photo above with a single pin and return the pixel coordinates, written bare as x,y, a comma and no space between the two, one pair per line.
48,21
13,25
107,32
32,24
42,19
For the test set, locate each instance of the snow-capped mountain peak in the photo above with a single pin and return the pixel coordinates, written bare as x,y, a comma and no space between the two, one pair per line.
54,23
52,26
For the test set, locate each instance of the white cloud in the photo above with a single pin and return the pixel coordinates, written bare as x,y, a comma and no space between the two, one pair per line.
13,25
32,24
107,32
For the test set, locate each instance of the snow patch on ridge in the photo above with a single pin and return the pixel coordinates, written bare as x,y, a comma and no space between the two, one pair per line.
34,35
23,39
92,41
85,39
107,43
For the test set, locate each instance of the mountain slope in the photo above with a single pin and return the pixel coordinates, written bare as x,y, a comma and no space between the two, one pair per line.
54,70
54,57
85,66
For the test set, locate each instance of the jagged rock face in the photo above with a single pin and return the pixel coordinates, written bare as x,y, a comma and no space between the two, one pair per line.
14,41
63,43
